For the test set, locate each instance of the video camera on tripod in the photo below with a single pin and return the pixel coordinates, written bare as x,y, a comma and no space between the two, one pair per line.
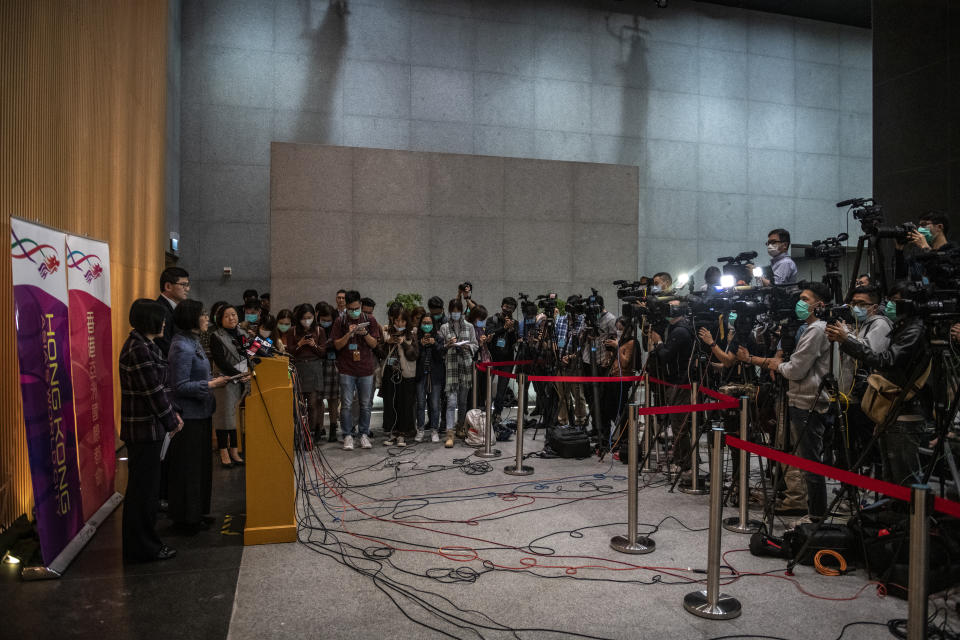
547,303
829,248
739,266
870,216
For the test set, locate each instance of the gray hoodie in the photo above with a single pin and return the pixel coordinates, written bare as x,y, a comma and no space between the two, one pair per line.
806,368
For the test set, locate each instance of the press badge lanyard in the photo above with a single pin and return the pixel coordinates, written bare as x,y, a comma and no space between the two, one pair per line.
355,346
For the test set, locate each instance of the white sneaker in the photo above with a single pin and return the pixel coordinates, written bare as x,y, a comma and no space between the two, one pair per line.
364,441
401,442
434,437
389,442
418,437
348,443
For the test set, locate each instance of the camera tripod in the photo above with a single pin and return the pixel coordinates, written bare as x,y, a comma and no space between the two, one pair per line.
875,264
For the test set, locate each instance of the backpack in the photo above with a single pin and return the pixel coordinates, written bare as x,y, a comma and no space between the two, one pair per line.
569,442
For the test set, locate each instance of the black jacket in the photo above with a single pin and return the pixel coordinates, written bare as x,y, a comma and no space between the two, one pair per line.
907,353
496,329
168,329
673,354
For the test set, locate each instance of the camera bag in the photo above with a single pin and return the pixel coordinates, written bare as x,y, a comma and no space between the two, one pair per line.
881,394
569,442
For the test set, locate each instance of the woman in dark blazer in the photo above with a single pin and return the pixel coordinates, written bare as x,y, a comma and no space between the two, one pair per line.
190,455
146,417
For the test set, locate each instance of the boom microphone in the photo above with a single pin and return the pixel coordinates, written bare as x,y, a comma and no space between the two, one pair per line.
855,201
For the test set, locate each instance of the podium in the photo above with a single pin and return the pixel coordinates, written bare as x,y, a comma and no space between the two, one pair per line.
271,490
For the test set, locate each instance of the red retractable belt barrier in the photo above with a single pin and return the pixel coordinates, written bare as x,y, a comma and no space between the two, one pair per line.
847,477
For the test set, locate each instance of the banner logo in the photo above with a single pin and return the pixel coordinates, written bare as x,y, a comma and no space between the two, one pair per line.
49,263
76,260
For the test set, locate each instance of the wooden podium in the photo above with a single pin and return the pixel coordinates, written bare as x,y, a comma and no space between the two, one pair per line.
271,491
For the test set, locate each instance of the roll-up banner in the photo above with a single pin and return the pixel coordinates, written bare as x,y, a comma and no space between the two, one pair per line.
40,307
91,355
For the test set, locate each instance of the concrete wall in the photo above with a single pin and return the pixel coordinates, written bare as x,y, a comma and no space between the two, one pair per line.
388,222
172,159
738,121
917,105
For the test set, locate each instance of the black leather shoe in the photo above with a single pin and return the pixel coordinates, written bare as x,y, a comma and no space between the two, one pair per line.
166,553
226,465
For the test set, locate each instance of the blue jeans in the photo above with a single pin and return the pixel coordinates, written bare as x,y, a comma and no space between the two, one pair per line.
364,394
429,402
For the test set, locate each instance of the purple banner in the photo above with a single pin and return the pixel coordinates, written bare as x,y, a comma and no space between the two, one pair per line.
40,299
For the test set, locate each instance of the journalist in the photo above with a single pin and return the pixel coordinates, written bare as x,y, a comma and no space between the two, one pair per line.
355,362
458,342
781,264
672,353
808,401
931,235
906,354
430,377
872,330
569,327
502,329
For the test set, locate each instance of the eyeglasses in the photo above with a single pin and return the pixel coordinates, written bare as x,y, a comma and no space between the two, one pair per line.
185,285
861,304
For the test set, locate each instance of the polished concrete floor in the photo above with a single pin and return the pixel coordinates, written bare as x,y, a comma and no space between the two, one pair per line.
421,543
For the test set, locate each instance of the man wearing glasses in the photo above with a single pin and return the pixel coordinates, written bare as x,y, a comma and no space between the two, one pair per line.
174,287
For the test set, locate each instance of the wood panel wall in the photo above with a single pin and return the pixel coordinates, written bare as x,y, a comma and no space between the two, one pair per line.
82,98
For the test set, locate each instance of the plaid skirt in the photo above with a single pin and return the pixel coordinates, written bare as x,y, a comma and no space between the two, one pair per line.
331,380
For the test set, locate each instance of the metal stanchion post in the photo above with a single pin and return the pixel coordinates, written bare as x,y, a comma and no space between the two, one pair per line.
743,523
648,440
921,503
694,488
518,469
711,603
631,543
488,451
473,388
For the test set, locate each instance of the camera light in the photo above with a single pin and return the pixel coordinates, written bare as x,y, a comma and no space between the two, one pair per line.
683,279
757,272
10,559
727,281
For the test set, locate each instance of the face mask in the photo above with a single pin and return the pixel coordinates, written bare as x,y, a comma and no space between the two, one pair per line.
455,315
327,324
772,250
891,310
731,317
926,233
252,317
399,329
481,323
802,310
655,289
354,313
307,323
860,313
283,328
264,334
619,333
427,328
437,316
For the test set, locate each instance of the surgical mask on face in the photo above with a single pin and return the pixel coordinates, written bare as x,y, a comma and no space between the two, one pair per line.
891,310
655,289
399,329
252,317
926,233
427,328
264,334
354,313
802,310
327,324
772,250
619,333
731,318
306,323
860,313
455,315
481,324
283,328
437,316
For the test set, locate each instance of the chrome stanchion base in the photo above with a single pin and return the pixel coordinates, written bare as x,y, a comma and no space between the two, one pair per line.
494,453
512,470
641,546
733,524
701,490
727,607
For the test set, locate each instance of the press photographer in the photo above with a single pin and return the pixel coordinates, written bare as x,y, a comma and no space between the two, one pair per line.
502,329
872,330
907,352
929,235
569,327
808,400
672,353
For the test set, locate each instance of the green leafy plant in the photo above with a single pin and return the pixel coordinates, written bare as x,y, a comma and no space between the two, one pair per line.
562,305
409,300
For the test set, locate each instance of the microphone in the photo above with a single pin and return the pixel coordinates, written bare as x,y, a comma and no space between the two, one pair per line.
747,255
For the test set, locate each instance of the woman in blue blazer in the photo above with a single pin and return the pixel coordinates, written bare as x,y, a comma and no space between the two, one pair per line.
190,453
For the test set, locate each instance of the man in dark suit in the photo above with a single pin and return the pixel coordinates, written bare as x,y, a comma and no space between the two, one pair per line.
174,287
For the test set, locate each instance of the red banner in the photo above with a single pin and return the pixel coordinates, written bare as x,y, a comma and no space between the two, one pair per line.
91,352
